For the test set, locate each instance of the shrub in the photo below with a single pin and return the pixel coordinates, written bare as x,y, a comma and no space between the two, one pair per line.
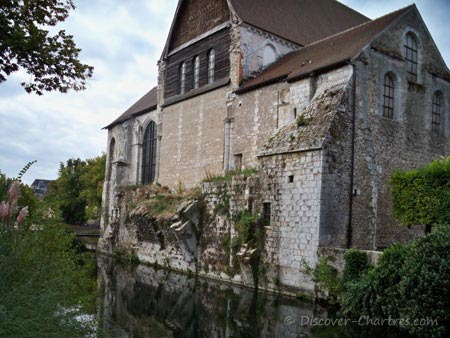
425,286
423,196
376,292
356,263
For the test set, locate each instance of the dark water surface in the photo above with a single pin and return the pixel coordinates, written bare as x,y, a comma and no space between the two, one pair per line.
143,302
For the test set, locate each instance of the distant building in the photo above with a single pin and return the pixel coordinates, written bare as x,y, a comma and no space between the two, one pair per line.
40,187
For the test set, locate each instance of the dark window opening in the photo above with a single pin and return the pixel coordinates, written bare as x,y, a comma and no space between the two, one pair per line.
295,113
388,97
436,112
411,57
266,213
238,162
149,154
112,146
291,179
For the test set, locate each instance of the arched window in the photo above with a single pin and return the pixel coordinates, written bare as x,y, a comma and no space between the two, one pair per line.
196,72
112,146
149,154
388,97
269,55
411,57
182,72
436,112
211,65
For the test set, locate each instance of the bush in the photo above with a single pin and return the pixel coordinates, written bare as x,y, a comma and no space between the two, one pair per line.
356,263
422,197
376,292
426,283
410,282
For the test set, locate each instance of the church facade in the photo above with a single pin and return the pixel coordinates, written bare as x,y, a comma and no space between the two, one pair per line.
323,102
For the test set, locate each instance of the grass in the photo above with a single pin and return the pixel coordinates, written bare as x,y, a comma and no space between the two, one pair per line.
210,177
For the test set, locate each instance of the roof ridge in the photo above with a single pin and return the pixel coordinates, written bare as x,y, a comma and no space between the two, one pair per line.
358,26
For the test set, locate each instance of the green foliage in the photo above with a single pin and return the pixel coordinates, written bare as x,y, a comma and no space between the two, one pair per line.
409,283
425,285
92,179
51,59
326,279
376,292
302,121
77,193
356,263
249,231
44,282
423,196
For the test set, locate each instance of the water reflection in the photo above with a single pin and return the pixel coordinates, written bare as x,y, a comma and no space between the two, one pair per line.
143,302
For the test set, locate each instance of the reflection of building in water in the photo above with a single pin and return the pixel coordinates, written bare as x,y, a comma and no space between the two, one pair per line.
146,303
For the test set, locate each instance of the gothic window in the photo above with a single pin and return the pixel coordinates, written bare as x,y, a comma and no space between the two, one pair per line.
411,57
112,145
196,72
211,65
182,72
436,112
388,97
149,154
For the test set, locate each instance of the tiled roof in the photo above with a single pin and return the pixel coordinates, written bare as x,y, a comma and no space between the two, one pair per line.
300,21
324,54
145,104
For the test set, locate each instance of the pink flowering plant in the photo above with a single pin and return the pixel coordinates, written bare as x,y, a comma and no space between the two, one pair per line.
10,214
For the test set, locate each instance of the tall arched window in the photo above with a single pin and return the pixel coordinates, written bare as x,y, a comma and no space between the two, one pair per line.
411,57
388,97
112,146
182,75
436,112
211,65
196,72
149,154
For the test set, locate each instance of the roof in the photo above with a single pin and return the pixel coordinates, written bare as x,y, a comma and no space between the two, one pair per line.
145,104
38,180
299,21
329,52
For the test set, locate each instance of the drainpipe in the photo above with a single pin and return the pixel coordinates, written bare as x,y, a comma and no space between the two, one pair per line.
352,164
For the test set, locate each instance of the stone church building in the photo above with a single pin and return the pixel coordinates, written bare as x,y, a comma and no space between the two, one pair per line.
323,102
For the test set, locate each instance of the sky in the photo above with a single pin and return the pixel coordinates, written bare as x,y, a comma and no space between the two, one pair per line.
123,41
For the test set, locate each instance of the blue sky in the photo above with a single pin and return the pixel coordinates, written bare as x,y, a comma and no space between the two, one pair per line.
123,41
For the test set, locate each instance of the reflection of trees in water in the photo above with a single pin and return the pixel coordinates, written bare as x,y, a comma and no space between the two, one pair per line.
143,302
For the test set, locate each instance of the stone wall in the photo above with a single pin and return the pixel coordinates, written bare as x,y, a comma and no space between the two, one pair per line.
406,142
193,138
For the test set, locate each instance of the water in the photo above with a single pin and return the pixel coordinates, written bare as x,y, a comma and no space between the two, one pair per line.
142,302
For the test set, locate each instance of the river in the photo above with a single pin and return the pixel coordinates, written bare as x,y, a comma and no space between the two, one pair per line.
143,302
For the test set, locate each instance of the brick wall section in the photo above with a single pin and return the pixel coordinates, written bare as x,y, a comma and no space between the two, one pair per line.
293,237
198,17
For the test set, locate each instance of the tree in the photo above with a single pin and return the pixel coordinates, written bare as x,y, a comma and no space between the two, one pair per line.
51,60
92,180
66,192
77,192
